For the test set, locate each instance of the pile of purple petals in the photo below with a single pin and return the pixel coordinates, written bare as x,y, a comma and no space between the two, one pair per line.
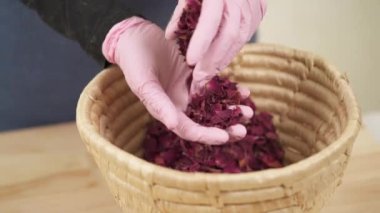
260,148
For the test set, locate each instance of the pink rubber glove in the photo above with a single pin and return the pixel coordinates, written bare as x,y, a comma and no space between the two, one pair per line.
223,28
157,73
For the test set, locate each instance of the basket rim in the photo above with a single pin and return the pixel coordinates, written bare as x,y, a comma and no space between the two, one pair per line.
290,173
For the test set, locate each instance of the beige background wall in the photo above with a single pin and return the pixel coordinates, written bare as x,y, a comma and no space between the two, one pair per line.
346,32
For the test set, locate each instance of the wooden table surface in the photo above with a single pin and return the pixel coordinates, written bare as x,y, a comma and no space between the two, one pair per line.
47,169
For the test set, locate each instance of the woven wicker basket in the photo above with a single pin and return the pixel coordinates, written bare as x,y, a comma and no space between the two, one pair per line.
315,112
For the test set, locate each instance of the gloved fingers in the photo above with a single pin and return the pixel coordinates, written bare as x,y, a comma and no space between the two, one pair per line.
257,9
246,20
173,23
263,7
236,132
189,130
244,33
246,111
228,34
207,27
244,91
234,50
157,102
201,75
200,78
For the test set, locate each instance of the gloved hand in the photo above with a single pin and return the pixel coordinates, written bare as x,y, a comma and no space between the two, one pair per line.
157,73
223,28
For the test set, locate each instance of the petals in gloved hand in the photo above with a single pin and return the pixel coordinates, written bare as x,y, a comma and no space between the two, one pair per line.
236,132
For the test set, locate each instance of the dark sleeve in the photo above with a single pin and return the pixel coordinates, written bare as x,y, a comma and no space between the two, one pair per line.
86,21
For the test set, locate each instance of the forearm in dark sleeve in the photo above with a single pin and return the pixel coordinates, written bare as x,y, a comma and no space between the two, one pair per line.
86,21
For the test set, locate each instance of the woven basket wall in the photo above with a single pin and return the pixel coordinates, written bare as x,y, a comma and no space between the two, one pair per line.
316,116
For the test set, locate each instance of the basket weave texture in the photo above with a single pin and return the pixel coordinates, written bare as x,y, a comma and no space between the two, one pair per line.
315,112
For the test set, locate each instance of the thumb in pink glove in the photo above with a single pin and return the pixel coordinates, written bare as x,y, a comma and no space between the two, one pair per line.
223,28
156,73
